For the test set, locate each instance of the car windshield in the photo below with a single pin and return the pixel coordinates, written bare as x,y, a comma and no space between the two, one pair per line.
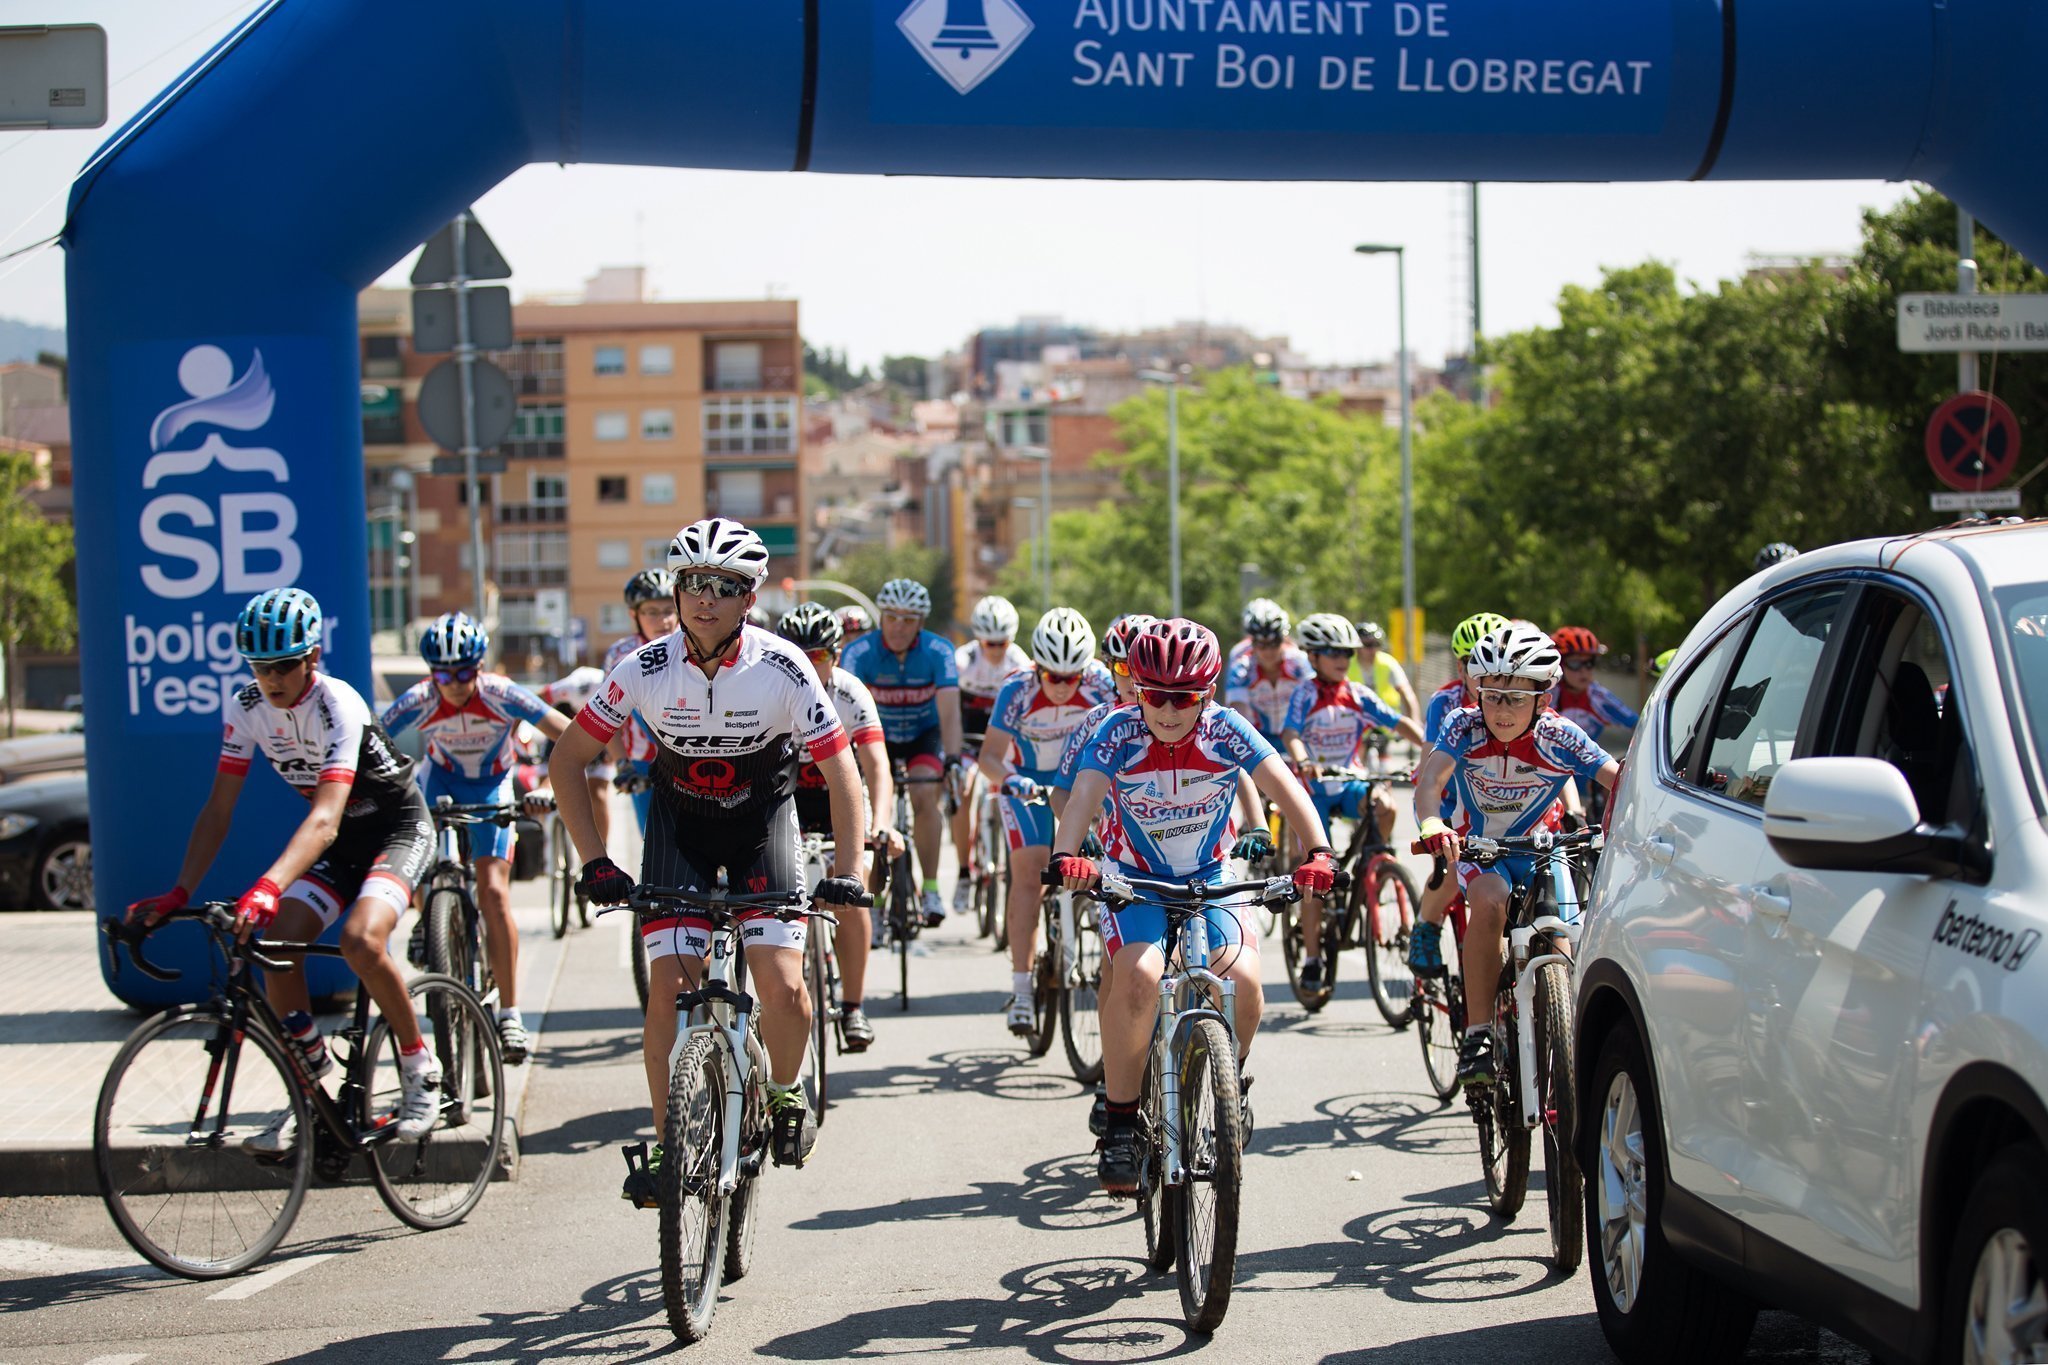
2023,611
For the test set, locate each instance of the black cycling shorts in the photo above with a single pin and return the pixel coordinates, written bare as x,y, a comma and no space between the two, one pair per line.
756,855
923,751
380,857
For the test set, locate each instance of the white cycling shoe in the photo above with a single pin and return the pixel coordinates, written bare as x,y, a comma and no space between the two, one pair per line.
419,1102
280,1137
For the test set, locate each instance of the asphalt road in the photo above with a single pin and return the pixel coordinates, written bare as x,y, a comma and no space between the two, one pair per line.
950,1209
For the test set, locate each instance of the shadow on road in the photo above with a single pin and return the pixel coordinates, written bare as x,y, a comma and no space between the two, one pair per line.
1402,1121
1545,1340
1055,1195
585,1134
70,1288
1005,1073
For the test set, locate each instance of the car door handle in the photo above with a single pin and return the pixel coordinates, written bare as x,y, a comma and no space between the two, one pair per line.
1768,902
1661,850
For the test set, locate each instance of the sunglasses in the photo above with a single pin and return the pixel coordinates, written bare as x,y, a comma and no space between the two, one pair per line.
1119,668
1058,679
822,656
1169,699
712,585
1579,663
455,675
1333,653
1508,696
277,668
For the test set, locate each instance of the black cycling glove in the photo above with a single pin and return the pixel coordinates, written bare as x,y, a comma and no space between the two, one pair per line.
840,891
604,882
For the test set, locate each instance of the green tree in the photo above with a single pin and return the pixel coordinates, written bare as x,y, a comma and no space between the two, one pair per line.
833,369
35,612
906,372
869,567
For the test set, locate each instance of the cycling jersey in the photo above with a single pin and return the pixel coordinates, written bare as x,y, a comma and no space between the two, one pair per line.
1040,731
473,741
1173,807
1442,703
726,744
1333,719
576,690
1592,710
1070,757
1388,677
1244,683
639,740
856,709
1506,790
906,689
328,735
980,679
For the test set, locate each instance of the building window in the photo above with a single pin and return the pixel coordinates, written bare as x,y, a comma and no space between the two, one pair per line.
611,488
381,358
657,489
532,559
547,490
610,360
1022,428
537,432
749,426
657,360
737,493
614,554
654,554
535,364
736,365
612,619
657,424
612,426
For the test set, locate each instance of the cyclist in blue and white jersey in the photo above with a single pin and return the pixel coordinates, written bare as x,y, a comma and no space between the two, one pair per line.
1257,619
1581,698
1328,719
470,720
984,664
1169,768
1260,682
1035,714
916,686
1505,762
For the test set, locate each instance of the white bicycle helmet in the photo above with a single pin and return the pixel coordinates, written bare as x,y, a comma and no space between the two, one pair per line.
453,641
905,595
1063,642
993,618
1326,630
1516,650
1265,619
719,543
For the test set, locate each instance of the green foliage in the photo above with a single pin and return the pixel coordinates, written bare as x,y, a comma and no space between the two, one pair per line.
832,369
35,611
869,567
906,372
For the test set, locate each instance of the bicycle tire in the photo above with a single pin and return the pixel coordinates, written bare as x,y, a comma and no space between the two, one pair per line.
743,1210
1046,986
999,894
1212,1150
1503,1141
148,1095
901,924
636,949
815,1066
1290,951
1156,1207
1383,928
988,908
1081,997
692,1212
1439,1012
437,1181
447,942
1564,1184
561,877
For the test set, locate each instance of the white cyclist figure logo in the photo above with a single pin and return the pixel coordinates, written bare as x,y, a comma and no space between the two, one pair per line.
217,399
965,40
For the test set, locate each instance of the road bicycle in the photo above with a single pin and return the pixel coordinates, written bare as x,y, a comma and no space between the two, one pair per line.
821,981
715,1133
904,917
566,904
1191,1105
454,925
190,1086
1532,1024
991,869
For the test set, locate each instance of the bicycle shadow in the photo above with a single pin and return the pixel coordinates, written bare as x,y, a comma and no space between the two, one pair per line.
1400,1121
1055,1195
1055,1311
598,1051
1426,1251
587,1133
1577,1337
1005,1074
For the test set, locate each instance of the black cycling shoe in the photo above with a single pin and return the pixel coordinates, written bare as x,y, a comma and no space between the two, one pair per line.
643,1176
1121,1160
855,1029
1244,1110
1098,1113
795,1130
1312,975
1475,1059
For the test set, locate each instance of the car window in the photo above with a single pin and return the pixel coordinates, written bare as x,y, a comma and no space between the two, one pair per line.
1898,701
1756,723
1692,697
2023,612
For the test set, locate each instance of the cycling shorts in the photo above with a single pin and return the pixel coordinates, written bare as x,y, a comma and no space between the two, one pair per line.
923,752
761,854
1515,868
1346,797
1028,825
1145,922
382,860
485,841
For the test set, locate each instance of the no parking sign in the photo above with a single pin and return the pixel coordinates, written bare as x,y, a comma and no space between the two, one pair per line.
1973,441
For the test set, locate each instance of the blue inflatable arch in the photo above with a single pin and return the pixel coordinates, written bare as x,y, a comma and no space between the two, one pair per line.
218,241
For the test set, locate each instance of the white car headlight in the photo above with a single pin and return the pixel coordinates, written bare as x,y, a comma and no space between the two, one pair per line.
15,823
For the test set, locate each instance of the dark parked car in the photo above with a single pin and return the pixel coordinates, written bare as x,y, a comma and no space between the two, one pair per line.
45,848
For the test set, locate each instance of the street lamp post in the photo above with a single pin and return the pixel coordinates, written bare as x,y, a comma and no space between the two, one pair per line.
1411,645
1043,454
1038,546
1171,378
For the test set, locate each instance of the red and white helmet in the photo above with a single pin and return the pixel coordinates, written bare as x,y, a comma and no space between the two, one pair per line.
1116,641
1178,653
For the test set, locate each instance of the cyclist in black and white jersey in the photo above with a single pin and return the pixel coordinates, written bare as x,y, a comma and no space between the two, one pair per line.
361,849
732,709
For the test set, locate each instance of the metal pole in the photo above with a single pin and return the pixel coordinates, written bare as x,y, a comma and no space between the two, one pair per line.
1045,501
1966,283
412,522
1478,373
1173,487
1408,631
465,361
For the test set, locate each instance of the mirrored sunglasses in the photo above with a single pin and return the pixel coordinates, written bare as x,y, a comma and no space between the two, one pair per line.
1579,661
1169,699
277,668
713,585
455,675
1058,679
1120,668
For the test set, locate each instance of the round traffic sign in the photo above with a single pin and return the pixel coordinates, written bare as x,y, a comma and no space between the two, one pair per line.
1973,441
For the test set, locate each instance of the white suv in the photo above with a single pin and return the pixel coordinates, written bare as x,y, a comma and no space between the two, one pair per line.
1811,1012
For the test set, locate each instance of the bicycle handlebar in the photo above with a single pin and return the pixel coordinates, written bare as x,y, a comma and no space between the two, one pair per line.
1120,889
1485,852
219,918
447,812
722,906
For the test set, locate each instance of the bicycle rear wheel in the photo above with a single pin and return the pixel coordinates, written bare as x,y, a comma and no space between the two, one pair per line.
1503,1141
1291,952
1045,979
636,949
1080,999
999,891
1212,1150
1383,909
692,1213
561,877
1556,1076
1439,1013
1157,1207
987,834
815,984
436,1181
902,924
187,1197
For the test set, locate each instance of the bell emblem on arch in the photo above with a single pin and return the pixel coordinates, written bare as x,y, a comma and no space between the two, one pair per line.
966,28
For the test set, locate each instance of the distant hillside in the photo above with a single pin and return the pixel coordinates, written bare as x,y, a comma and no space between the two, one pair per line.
21,340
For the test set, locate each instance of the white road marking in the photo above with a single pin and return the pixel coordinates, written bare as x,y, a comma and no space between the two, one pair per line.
256,1284
117,1360
24,1256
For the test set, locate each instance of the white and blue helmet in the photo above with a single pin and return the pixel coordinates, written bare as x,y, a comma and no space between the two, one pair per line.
454,641
282,623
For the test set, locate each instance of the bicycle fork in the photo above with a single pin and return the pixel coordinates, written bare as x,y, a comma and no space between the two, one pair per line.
739,1067
1522,940
1170,1019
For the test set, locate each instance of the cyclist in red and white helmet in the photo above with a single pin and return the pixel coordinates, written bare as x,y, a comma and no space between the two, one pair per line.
1170,769
1580,697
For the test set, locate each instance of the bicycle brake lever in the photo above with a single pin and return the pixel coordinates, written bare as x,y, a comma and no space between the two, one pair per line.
120,931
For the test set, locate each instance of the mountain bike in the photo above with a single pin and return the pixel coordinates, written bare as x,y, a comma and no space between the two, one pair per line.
190,1086
1371,906
1066,975
821,980
1438,1005
1191,1106
455,928
565,902
1532,1023
715,1133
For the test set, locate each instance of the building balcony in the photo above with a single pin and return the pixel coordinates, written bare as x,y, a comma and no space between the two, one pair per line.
767,379
531,514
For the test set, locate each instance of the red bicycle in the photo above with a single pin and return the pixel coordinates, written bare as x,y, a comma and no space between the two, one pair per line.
1378,899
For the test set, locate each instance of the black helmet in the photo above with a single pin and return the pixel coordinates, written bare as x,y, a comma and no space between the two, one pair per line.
810,625
1777,552
649,585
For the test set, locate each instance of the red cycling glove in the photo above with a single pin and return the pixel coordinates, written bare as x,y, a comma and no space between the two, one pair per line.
1318,874
153,908
258,904
1072,869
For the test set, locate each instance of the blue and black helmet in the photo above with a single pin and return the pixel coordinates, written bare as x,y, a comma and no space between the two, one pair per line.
453,641
282,623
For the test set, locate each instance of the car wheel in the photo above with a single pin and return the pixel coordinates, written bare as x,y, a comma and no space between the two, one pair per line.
1653,1306
1995,1309
63,875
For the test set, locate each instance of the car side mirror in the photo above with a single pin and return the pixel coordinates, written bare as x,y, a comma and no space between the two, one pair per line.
1856,815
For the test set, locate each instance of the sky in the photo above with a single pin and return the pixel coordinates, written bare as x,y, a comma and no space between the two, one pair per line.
913,265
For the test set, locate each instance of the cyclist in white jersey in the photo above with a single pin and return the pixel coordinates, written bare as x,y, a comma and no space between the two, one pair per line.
984,662
732,709
360,851
650,596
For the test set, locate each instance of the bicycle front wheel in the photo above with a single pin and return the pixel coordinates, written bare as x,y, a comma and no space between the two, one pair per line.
1212,1150
449,948
1383,909
180,1099
1045,979
816,985
692,1213
636,950
1438,1008
1556,1077
1503,1141
435,1181
1080,1000
1157,1206
1291,952
902,925
561,877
